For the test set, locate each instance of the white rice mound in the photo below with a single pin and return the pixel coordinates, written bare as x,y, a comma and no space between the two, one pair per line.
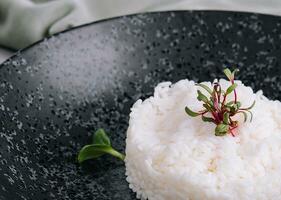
172,156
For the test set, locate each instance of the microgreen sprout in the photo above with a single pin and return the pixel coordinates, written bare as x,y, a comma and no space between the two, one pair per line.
218,110
100,145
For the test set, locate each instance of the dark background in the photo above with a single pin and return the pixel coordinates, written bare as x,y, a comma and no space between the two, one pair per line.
55,93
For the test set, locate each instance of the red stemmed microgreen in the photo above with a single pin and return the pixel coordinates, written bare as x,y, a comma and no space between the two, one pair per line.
219,111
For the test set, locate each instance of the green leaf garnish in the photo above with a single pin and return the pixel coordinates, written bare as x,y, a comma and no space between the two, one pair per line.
245,115
236,107
251,114
233,73
101,145
228,74
96,150
191,113
231,88
225,117
238,103
232,109
220,110
208,106
100,137
221,129
205,87
230,103
202,97
207,119
250,107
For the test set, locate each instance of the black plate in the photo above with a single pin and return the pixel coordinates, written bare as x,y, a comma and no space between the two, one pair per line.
56,93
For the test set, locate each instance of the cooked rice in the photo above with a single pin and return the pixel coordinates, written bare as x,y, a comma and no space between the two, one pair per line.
172,156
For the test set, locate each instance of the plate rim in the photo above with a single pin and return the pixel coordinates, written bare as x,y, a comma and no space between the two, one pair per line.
18,52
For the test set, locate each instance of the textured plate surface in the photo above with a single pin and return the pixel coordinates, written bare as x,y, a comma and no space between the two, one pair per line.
56,93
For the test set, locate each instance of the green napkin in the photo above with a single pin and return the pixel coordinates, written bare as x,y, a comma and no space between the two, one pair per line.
23,22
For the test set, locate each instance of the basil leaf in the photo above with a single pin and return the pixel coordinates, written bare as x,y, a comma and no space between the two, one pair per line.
96,150
100,137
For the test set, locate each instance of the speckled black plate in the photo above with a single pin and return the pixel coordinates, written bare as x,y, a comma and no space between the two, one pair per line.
56,93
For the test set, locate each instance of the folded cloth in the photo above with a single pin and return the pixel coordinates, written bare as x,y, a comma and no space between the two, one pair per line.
23,22
4,54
